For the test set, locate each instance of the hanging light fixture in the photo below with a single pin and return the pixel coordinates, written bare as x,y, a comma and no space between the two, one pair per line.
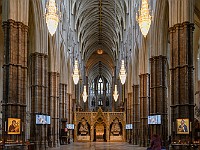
144,18
115,94
99,51
76,75
52,16
122,74
85,94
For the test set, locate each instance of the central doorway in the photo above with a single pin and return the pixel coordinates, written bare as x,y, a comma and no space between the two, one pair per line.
100,132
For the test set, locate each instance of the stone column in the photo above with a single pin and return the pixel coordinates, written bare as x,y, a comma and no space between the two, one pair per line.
78,96
68,107
87,102
120,97
63,101
158,91
75,128
14,77
107,134
39,102
63,107
182,78
131,116
108,128
92,133
144,108
54,109
124,129
112,89
72,109
136,115
122,103
128,116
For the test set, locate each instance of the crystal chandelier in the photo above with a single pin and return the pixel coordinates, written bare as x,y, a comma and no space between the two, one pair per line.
85,94
115,94
76,75
52,16
122,74
144,18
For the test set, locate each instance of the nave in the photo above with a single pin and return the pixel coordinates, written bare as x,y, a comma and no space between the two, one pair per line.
99,70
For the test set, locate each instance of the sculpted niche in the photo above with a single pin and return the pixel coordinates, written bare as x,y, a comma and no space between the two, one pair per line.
83,127
116,127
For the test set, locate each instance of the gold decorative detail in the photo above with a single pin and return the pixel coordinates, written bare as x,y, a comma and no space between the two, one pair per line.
99,118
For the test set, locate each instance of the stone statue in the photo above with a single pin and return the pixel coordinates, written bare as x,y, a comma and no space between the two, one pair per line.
83,127
115,129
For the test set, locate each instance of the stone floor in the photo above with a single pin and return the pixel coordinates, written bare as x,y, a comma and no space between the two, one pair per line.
99,146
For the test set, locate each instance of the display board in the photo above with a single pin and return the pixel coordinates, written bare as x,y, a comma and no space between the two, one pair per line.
129,126
70,126
154,119
42,119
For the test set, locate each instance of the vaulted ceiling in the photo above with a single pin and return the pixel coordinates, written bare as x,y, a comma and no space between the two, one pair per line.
100,25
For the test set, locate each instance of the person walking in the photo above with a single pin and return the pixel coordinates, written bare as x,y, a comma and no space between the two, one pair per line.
155,142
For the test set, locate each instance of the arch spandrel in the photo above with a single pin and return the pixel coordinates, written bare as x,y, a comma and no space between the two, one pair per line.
80,115
99,115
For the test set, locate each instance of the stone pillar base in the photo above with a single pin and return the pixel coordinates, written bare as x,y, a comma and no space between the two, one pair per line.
39,146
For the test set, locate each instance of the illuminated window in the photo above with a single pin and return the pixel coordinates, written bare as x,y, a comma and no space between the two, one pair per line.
100,86
92,88
93,102
107,88
100,102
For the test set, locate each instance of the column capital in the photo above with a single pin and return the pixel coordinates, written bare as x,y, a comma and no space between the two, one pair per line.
182,26
157,58
145,74
38,54
15,24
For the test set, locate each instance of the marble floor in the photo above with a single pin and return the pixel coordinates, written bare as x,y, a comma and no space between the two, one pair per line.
99,146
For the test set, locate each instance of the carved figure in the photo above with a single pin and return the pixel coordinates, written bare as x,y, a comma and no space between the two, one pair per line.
14,127
182,127
83,127
115,129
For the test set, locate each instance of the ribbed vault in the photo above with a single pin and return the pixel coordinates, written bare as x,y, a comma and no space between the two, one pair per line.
100,25
100,64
